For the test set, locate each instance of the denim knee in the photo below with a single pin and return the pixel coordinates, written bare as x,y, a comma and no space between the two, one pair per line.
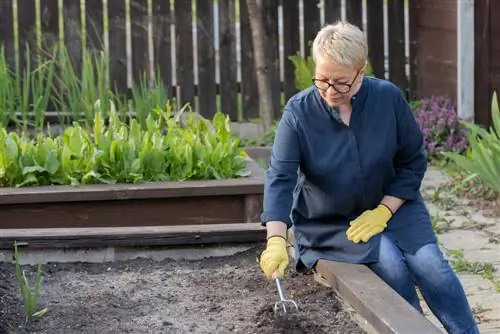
428,262
391,264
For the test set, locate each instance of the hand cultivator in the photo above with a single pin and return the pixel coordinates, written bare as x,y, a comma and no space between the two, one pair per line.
283,302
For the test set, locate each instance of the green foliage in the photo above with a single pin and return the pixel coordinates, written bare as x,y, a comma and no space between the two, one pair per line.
124,152
482,157
304,70
29,295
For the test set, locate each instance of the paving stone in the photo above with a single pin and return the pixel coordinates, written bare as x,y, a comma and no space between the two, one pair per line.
470,231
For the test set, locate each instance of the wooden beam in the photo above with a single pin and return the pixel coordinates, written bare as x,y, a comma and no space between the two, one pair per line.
132,236
373,299
465,57
254,184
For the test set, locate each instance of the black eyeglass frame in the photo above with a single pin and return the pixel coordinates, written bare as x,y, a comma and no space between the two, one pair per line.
349,86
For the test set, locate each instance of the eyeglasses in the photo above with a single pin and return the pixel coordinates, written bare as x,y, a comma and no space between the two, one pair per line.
341,88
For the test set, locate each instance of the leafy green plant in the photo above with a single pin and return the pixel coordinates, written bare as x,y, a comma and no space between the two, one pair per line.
27,93
29,294
7,91
76,93
123,152
481,159
145,99
304,70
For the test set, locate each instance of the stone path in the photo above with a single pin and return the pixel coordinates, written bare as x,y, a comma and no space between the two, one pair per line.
472,242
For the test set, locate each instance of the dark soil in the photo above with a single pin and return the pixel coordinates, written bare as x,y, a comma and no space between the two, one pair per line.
216,295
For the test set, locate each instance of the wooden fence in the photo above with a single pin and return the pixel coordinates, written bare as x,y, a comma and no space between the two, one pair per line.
202,49
487,58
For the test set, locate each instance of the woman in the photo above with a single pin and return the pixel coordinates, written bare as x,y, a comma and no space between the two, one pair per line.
345,170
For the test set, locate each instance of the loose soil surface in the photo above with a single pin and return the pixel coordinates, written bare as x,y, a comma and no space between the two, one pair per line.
215,295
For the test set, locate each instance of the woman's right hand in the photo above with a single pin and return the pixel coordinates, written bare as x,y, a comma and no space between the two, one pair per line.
275,257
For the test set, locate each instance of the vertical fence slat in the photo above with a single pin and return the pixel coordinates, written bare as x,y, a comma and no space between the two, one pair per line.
413,40
117,33
482,81
184,52
227,59
49,26
26,32
354,12
270,16
162,21
312,23
333,10
291,43
248,83
50,38
94,24
139,32
397,57
375,35
7,32
73,33
207,89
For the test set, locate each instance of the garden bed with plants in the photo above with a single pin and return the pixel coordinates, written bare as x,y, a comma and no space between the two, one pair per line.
163,172
214,295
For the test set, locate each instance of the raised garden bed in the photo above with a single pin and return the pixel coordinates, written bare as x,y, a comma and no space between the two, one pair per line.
144,204
217,295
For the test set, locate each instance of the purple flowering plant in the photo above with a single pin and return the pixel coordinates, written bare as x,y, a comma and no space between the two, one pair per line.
440,125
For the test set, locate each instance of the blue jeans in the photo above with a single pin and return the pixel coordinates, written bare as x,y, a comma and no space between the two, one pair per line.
438,283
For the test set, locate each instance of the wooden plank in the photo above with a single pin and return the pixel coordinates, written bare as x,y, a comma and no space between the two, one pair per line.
495,47
270,16
373,299
117,46
73,33
47,238
139,32
50,38
207,89
227,59
184,52
7,32
208,209
162,22
27,38
375,35
101,192
354,12
94,25
291,44
414,12
248,83
312,23
333,10
482,83
397,57
465,51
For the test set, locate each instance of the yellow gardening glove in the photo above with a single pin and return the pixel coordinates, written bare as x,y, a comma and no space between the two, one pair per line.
368,224
275,257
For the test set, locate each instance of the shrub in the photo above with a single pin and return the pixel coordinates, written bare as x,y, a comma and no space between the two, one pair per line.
439,122
481,160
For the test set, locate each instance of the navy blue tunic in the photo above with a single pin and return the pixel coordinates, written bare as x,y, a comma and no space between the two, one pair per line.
322,173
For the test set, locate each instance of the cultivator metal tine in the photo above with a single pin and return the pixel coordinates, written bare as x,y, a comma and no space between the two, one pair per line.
282,303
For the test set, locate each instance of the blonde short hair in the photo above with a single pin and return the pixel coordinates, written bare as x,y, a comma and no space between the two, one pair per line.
343,43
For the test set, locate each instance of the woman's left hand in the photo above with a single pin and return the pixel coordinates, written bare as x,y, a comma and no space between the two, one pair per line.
368,224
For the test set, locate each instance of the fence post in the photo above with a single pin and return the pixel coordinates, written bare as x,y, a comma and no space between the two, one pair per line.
465,58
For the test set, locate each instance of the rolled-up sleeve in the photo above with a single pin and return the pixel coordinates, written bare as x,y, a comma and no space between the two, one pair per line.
281,176
410,161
